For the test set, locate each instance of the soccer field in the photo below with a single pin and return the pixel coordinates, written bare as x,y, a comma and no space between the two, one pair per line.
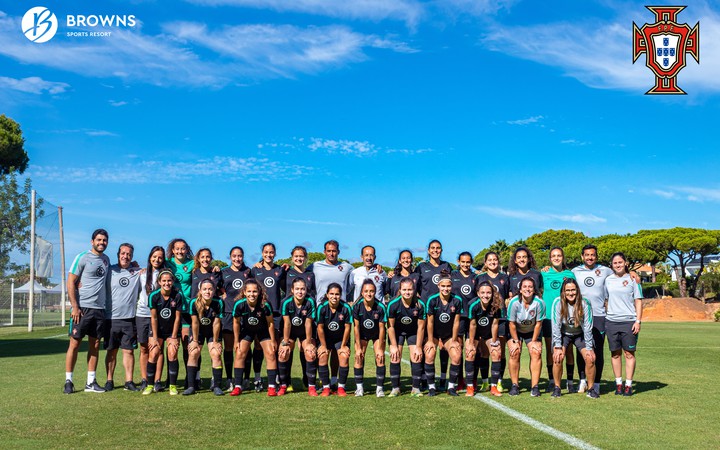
675,406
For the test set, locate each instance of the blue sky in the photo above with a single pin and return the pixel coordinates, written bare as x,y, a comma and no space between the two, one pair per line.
387,122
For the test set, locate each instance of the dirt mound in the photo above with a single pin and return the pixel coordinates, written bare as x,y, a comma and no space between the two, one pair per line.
677,310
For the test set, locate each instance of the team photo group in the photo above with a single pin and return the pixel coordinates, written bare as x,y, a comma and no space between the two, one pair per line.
475,320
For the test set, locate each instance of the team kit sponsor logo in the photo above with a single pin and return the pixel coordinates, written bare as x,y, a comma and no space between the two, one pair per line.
124,282
333,326
483,321
296,321
237,284
100,272
369,324
205,321
269,282
589,282
253,321
555,284
406,320
666,44
40,24
444,318
165,313
436,278
466,289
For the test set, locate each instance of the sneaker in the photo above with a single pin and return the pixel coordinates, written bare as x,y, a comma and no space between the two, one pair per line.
158,387
432,392
485,387
618,389
189,391
571,388
550,387
173,389
341,392
236,391
592,394
583,386
326,392
628,391
535,391
69,387
143,384
452,392
495,391
596,388
229,385
379,393
246,385
416,393
359,392
259,386
395,392
272,392
282,390
94,388
499,387
556,393
217,390
312,391
130,386
290,388
470,392
109,386
514,390
148,390
442,385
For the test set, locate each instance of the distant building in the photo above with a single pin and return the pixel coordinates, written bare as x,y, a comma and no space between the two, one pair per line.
693,266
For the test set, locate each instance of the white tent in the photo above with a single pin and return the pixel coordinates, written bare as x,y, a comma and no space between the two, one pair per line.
38,289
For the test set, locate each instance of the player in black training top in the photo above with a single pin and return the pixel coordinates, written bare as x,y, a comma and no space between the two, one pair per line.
298,270
443,324
298,313
253,322
370,318
482,339
206,314
403,269
165,304
406,324
234,277
464,287
334,321
501,282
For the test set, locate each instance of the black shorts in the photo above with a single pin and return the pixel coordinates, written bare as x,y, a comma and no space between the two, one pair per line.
578,341
620,335
547,328
279,323
369,336
92,323
464,326
205,337
599,324
333,344
503,329
261,335
185,320
120,333
409,340
525,337
142,325
227,323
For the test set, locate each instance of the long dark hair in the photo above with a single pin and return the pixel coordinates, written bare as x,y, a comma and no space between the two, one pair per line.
579,304
149,285
171,244
398,266
513,268
497,302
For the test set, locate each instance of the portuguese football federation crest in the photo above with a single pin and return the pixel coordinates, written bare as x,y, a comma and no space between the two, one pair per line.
666,44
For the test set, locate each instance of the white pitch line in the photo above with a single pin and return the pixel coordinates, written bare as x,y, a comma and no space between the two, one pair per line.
557,434
656,348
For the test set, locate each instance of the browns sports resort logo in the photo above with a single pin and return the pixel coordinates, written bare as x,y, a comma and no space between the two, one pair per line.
666,44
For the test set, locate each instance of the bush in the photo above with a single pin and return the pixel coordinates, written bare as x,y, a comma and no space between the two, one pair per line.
717,315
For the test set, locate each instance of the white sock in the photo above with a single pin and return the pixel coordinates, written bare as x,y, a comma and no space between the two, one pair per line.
451,385
341,386
431,385
325,386
618,380
499,380
493,384
68,376
628,383
90,377
333,380
378,389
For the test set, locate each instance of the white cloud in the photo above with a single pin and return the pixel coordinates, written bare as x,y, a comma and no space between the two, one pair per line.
145,172
408,11
345,147
528,121
689,193
99,133
315,222
33,85
117,103
573,142
599,53
663,194
541,217
190,54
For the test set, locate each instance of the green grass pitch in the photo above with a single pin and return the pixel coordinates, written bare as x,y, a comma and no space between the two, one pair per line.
676,406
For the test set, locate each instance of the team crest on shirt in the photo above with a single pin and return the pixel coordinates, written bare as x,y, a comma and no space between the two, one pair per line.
376,316
444,318
185,268
165,313
340,317
406,320
369,324
333,326
415,312
377,278
296,321
340,268
501,282
452,309
625,283
531,313
303,312
597,272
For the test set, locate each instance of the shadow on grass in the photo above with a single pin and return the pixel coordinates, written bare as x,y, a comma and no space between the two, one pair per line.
645,386
35,347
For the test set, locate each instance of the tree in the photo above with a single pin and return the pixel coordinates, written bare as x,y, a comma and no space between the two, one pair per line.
570,241
12,153
500,247
14,219
636,254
